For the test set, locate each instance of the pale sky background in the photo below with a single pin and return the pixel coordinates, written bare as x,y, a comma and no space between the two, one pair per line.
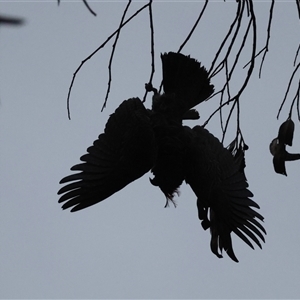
129,246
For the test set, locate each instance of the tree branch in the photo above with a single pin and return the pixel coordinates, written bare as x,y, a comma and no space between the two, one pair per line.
152,48
95,51
113,52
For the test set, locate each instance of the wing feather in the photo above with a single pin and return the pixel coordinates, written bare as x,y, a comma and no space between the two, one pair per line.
222,190
123,153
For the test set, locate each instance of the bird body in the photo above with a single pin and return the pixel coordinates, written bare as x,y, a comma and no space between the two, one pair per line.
137,140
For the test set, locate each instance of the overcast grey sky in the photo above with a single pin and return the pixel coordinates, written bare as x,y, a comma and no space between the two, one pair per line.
129,246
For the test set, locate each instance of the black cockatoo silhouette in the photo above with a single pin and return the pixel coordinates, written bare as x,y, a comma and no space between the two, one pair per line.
137,140
278,147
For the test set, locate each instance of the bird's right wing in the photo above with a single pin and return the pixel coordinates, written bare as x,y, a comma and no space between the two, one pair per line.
223,198
123,153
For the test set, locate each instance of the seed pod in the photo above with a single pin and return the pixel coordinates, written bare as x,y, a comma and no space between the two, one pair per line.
286,132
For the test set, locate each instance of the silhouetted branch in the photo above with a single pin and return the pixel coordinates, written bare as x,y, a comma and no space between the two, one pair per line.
194,27
296,55
228,68
266,48
112,54
11,21
298,7
215,70
94,52
152,48
296,98
87,6
287,91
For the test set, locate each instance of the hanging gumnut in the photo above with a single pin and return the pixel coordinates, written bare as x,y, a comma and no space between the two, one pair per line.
286,132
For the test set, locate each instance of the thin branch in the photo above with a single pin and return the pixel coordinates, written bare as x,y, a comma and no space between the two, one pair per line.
266,48
296,97
238,124
94,52
256,55
152,48
194,27
112,54
298,7
227,88
296,56
288,89
254,40
219,108
87,6
230,70
240,50
224,64
235,101
238,12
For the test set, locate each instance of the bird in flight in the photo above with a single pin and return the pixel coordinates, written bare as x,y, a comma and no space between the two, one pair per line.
137,140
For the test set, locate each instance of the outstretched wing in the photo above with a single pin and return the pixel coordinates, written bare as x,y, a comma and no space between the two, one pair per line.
123,153
217,179
184,77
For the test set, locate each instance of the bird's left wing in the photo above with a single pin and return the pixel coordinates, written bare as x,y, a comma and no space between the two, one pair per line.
221,188
123,153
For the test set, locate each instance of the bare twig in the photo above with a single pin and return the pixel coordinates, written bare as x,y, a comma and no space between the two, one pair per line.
214,70
296,98
194,27
254,31
298,7
112,54
229,69
87,6
266,48
288,89
95,51
152,48
296,55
